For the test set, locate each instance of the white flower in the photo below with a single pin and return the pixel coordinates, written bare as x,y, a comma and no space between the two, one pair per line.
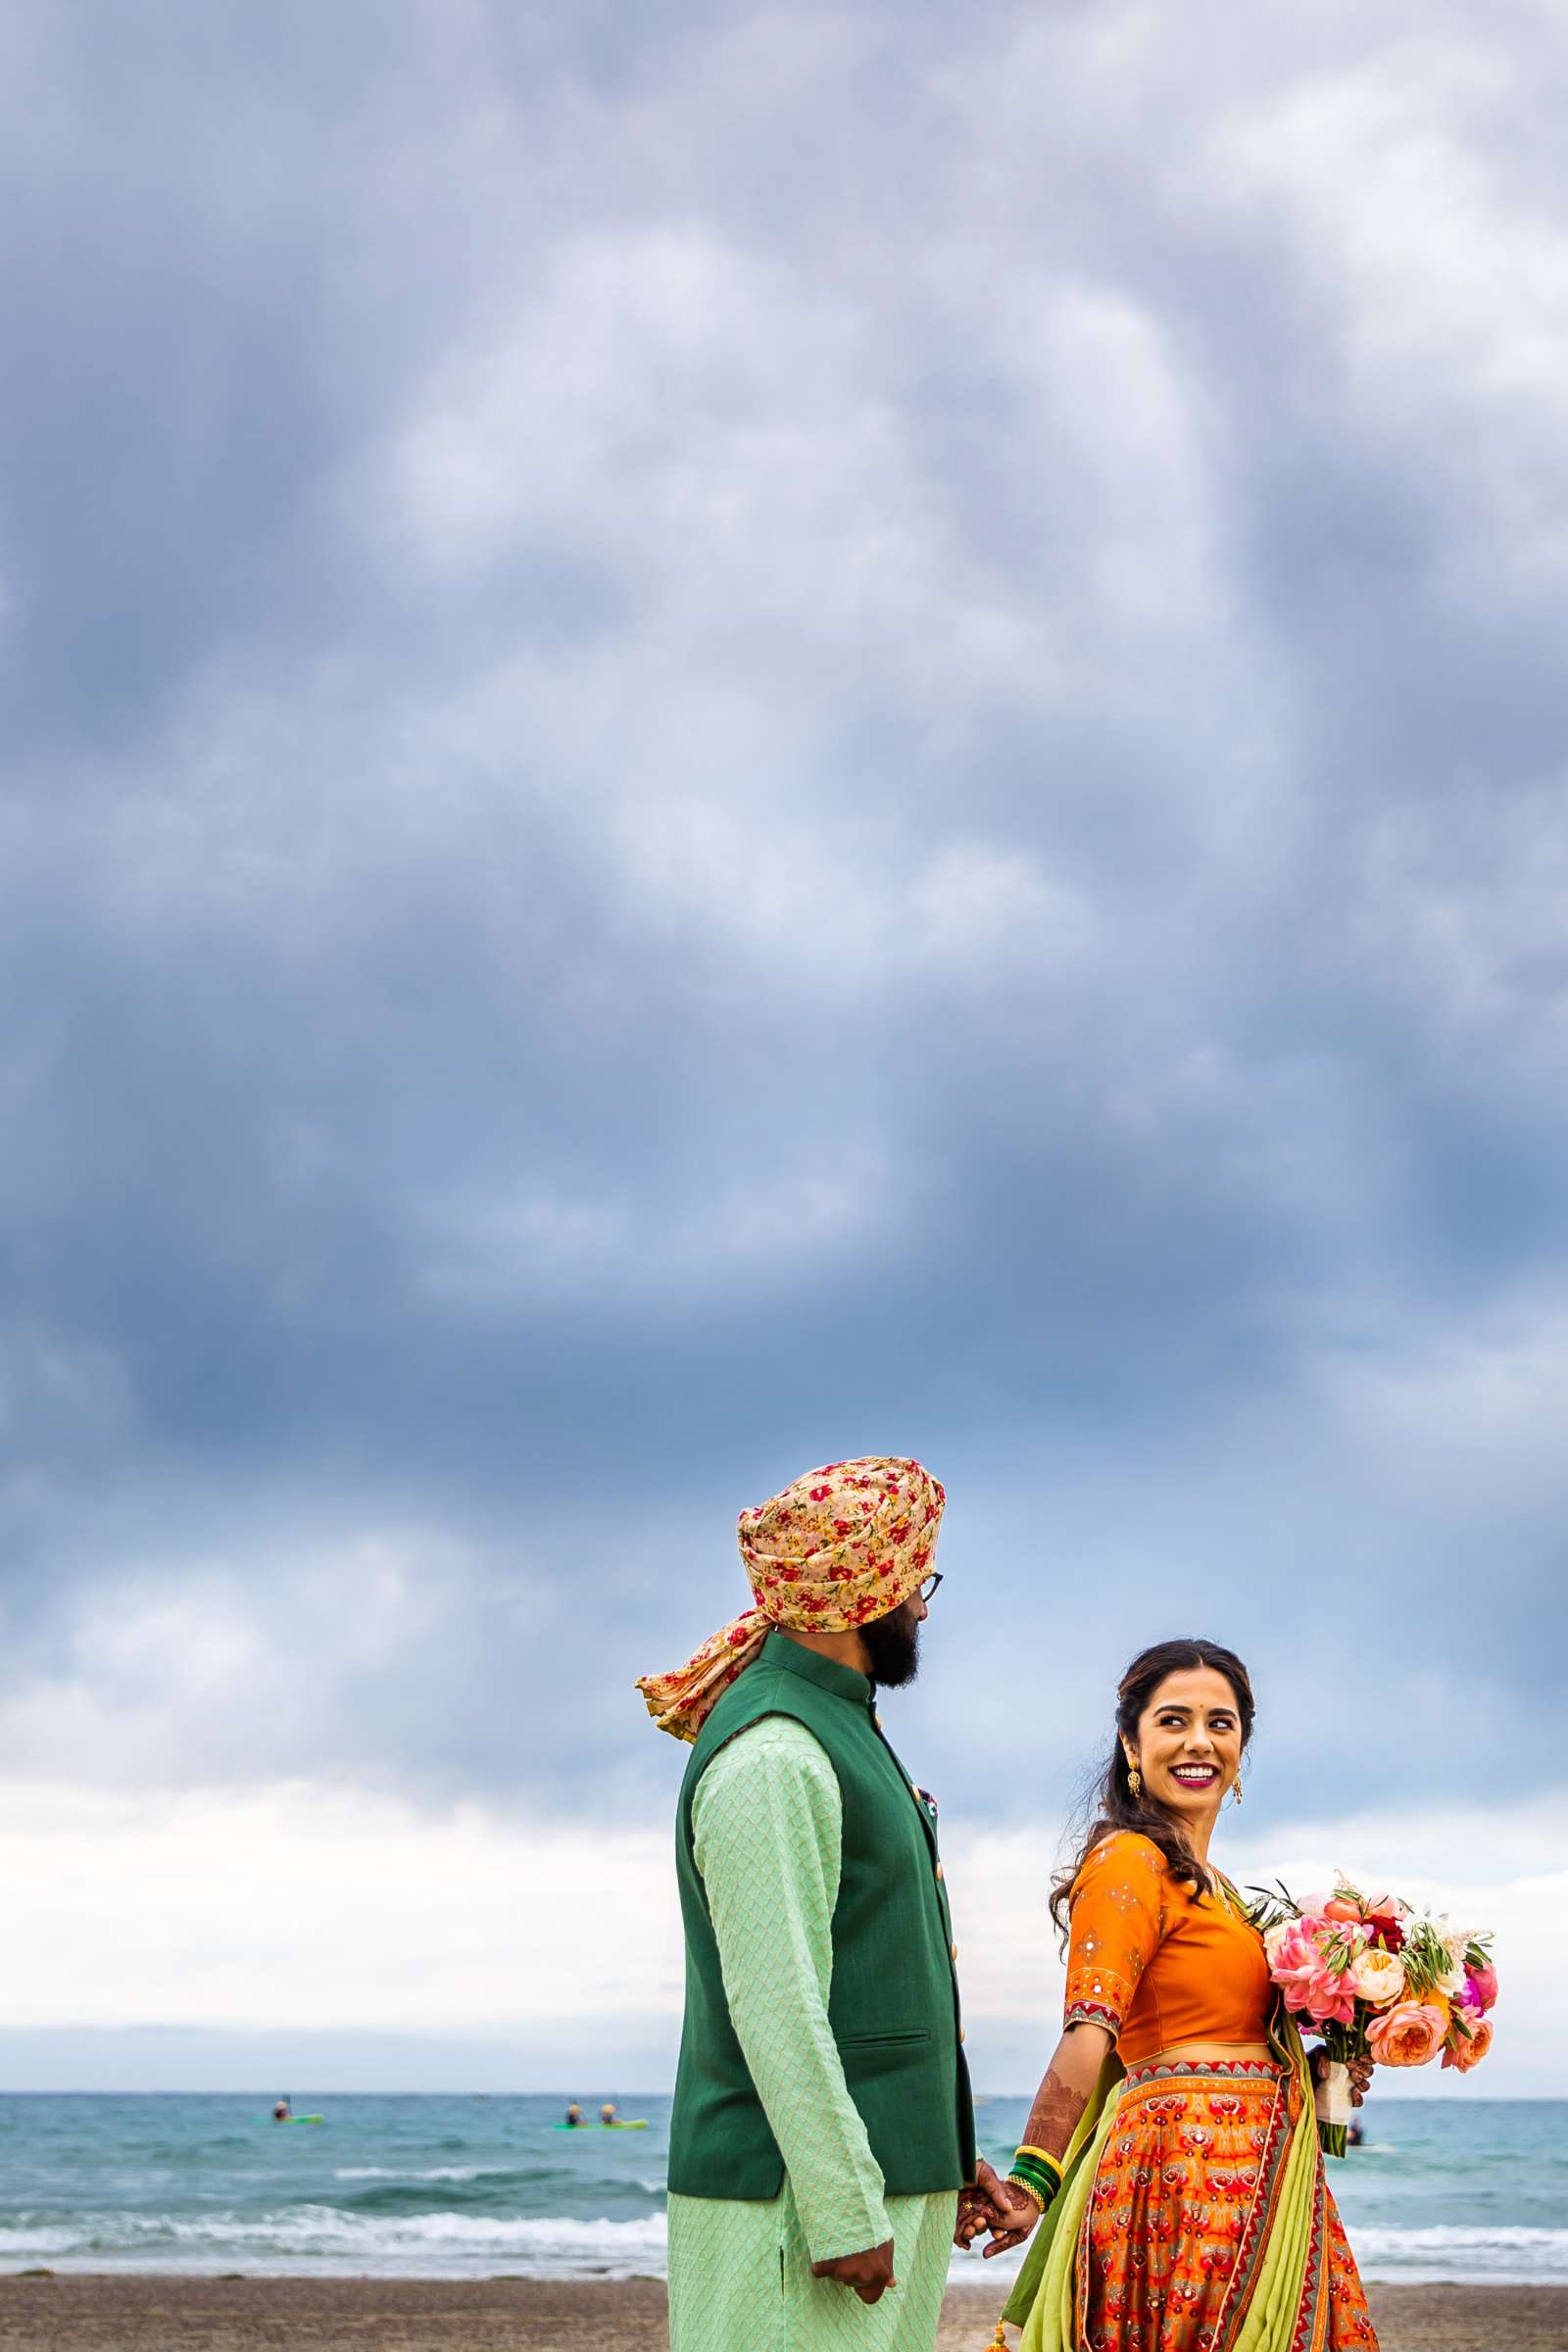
1455,1941
1377,1977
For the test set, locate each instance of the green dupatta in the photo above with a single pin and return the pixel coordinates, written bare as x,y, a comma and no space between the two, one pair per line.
1045,2300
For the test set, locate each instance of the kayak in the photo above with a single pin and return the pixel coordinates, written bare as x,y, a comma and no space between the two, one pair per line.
296,2119
640,2125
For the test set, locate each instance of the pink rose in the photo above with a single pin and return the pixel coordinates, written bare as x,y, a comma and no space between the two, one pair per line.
1295,1963
1468,2049
1330,1999
1411,2033
1290,1947
1483,1980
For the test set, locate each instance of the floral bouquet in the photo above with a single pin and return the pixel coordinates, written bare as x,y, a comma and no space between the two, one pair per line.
1380,1981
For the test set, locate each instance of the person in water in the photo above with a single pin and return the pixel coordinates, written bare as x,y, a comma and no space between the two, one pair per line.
280,2113
576,2121
607,2114
1172,2148
822,2125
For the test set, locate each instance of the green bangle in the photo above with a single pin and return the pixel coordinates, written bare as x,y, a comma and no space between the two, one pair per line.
1038,2174
1043,2192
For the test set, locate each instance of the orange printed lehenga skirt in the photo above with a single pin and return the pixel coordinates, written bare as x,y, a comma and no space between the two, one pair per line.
1186,2192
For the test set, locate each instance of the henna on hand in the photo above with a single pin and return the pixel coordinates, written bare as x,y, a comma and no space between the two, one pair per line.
1012,2227
1054,2116
1060,2105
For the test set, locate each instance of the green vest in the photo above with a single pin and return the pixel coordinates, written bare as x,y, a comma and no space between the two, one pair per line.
893,2001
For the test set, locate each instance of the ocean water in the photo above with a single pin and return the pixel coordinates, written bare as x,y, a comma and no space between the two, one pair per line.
480,2187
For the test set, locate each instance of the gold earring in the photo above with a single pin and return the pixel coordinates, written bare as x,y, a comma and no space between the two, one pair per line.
1236,1789
1135,1779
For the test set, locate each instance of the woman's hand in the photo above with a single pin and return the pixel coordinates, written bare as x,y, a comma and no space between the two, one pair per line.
1059,2104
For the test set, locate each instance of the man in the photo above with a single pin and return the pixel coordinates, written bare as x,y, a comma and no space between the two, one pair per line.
822,2126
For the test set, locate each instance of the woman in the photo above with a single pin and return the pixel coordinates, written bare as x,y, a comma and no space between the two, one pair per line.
1172,2144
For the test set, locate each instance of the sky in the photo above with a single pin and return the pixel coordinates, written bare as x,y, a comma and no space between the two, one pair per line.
736,735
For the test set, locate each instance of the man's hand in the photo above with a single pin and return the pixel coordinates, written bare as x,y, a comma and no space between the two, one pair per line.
1358,2069
870,2275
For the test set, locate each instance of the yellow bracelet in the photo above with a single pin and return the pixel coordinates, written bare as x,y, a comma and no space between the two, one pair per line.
1017,2180
1045,2156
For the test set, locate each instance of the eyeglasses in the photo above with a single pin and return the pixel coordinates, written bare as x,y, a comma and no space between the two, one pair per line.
928,1588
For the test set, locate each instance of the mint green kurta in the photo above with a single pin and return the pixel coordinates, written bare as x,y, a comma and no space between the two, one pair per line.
768,1824
893,2002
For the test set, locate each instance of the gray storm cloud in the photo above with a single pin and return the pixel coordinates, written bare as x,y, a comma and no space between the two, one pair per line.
742,736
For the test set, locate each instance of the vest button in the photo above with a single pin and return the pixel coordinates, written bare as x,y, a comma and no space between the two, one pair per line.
962,2035
939,1870
954,1952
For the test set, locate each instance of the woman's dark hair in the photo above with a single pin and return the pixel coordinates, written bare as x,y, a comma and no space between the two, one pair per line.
1112,1803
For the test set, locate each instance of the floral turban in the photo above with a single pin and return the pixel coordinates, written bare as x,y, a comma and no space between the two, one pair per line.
842,1546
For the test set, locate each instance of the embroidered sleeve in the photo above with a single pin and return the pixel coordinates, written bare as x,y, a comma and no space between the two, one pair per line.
1116,1926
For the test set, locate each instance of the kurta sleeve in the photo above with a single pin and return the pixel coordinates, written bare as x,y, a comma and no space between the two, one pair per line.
768,1822
1117,1920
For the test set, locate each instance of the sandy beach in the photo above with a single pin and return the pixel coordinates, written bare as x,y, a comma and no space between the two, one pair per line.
138,2314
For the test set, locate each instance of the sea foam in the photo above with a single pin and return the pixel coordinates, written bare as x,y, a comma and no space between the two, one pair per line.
323,2240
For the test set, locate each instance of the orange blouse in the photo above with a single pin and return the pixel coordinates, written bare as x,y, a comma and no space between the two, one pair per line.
1156,1964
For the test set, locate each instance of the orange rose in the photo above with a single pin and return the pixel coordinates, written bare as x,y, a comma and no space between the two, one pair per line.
1411,2033
1467,2051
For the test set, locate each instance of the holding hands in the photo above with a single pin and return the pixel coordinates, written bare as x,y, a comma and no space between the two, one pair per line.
1000,2206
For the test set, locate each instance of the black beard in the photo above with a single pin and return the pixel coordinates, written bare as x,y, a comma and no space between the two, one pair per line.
893,1646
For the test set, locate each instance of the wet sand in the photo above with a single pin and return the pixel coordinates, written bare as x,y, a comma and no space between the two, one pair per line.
71,2314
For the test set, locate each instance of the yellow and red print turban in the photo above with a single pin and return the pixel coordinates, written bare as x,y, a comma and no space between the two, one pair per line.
844,1544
